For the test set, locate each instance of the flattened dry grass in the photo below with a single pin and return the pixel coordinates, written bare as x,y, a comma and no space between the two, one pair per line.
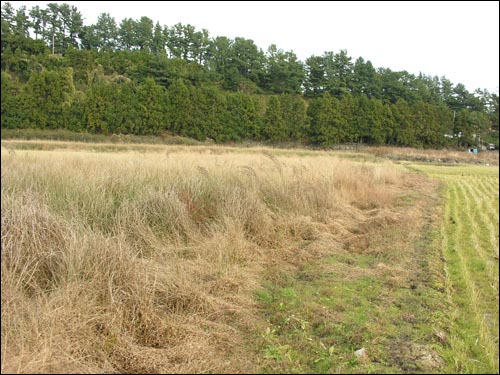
147,262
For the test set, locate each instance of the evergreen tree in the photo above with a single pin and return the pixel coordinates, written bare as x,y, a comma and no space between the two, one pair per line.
150,98
284,73
294,114
209,116
315,83
327,123
365,79
180,109
45,97
159,40
12,112
106,33
348,110
274,126
404,131
243,120
127,38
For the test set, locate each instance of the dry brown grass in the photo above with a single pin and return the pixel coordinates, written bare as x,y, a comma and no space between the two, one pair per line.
131,262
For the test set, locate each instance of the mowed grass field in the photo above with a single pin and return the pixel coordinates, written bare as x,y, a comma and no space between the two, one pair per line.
470,248
205,259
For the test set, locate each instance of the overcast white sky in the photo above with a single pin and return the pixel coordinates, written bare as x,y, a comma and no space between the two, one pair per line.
459,40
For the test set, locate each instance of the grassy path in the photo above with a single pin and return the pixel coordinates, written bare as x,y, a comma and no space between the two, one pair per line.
470,249
390,295
382,292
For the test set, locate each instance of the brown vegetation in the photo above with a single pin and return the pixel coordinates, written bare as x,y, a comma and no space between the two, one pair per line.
133,262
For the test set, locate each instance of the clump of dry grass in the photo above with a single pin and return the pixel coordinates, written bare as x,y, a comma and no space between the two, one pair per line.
147,262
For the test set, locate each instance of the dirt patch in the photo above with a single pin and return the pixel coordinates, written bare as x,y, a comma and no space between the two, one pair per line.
413,357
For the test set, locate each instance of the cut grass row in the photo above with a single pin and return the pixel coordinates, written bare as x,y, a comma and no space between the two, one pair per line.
470,248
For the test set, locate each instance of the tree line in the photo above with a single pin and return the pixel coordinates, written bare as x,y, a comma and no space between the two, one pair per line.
138,77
